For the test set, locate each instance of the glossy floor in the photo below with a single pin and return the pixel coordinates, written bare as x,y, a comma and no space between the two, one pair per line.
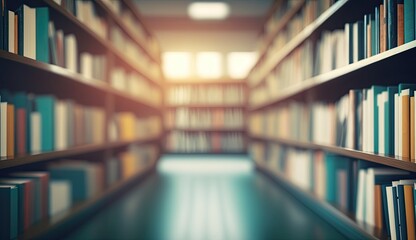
205,197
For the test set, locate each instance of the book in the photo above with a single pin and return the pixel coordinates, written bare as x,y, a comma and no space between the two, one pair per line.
23,108
3,129
410,212
60,198
400,22
10,130
71,52
42,34
409,20
389,110
35,132
12,32
383,26
8,207
391,203
27,31
392,24
45,105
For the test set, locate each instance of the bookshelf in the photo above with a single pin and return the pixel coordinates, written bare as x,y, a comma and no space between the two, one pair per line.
112,47
199,112
279,134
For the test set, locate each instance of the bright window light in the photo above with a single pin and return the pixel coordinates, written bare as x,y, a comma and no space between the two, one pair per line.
208,10
177,65
209,65
239,64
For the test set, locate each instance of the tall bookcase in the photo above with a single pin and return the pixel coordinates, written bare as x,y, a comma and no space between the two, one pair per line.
127,46
205,116
287,141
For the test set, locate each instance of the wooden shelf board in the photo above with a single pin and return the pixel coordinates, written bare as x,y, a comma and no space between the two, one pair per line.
7,162
277,58
189,129
392,161
205,153
206,106
333,75
51,227
341,220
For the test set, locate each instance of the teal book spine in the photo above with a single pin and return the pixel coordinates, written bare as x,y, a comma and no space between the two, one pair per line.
409,20
396,211
389,121
20,202
331,177
373,34
45,105
77,177
2,24
402,212
9,214
376,90
411,86
376,49
391,24
386,222
42,23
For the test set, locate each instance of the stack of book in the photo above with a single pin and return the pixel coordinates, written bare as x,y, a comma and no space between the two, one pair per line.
40,123
126,126
178,141
204,118
215,95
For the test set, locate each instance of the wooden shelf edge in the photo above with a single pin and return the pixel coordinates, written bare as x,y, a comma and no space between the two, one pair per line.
328,212
203,153
390,161
205,106
297,40
6,163
54,226
282,23
321,79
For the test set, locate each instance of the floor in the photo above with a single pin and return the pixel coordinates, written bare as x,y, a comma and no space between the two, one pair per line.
206,197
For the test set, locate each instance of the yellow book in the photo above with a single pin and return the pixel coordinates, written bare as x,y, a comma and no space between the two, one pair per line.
127,126
10,130
412,129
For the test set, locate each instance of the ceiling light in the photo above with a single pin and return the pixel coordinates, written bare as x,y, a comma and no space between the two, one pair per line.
208,10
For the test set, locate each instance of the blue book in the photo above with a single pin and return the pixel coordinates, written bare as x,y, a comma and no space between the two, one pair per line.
331,177
391,24
402,211
42,38
386,223
389,120
77,176
45,105
361,40
9,214
409,20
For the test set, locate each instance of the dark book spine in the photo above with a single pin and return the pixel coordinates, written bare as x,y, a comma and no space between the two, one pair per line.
365,35
409,20
402,212
391,24
376,49
20,30
361,40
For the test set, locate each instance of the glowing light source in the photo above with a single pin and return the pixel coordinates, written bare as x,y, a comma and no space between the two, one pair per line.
240,63
209,64
177,65
208,10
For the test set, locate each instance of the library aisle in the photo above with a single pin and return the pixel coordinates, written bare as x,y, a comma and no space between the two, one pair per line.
206,197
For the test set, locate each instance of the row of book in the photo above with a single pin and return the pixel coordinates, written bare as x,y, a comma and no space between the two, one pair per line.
212,94
126,126
306,15
204,118
39,123
391,24
134,53
133,24
379,120
380,197
178,141
29,197
135,84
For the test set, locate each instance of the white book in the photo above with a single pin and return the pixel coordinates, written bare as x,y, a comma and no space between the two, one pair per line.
396,124
400,128
12,32
360,210
369,191
370,123
355,41
36,133
61,125
71,52
347,46
60,196
390,208
3,129
29,32
86,65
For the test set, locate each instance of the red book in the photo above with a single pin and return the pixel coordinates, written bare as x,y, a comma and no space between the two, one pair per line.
21,131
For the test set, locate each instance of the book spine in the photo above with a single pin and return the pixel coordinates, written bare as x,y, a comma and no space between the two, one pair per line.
391,24
400,22
409,20
42,46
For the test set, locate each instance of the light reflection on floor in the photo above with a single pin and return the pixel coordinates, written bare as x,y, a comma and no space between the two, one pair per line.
205,197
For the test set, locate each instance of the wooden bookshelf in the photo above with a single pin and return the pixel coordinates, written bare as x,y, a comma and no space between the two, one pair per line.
391,161
348,77
212,129
206,82
207,105
59,225
343,221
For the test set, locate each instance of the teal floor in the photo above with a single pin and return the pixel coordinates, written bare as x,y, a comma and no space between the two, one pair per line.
203,197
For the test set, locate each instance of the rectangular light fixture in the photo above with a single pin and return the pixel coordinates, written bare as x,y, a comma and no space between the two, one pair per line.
208,10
